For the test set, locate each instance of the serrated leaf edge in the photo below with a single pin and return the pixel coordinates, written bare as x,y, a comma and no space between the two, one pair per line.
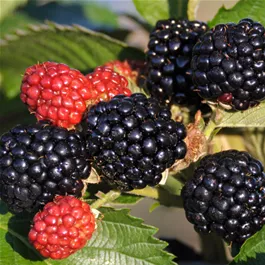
142,225
237,257
52,26
224,122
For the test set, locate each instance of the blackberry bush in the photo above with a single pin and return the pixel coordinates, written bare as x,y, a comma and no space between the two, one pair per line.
228,64
38,162
168,60
128,146
133,140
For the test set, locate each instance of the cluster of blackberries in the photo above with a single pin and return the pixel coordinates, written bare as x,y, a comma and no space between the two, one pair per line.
227,196
133,140
225,64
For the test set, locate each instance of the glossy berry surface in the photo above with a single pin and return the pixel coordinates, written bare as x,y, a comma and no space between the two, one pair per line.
55,92
133,140
226,196
63,227
39,161
228,64
106,83
168,60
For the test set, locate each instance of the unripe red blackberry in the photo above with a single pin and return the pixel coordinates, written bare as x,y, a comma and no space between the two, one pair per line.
228,64
106,83
55,92
133,140
63,227
123,68
226,196
38,162
168,60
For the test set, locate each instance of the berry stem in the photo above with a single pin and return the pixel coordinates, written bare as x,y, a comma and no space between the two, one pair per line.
146,192
211,128
208,131
106,198
173,185
159,194
213,249
192,9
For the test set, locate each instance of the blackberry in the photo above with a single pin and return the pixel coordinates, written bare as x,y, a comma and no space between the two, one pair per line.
228,64
133,140
226,196
168,60
38,162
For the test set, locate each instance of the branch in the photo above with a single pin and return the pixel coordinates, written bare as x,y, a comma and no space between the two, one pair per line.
106,198
159,194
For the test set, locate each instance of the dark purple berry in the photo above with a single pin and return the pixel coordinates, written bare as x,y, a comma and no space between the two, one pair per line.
169,58
40,162
227,191
228,64
133,140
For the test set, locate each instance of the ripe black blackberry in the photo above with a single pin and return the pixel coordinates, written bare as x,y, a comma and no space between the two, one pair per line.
168,60
39,161
228,64
133,140
227,196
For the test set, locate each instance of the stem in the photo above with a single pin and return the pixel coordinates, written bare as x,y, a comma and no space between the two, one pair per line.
146,192
192,9
106,198
213,249
211,126
173,185
159,194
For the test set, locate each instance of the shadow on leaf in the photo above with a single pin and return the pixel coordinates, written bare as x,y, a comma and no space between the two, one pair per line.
17,237
3,208
131,53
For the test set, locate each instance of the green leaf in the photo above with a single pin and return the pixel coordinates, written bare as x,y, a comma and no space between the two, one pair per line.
120,239
9,24
8,6
252,251
15,248
13,112
76,46
253,117
154,10
10,82
128,199
244,8
127,240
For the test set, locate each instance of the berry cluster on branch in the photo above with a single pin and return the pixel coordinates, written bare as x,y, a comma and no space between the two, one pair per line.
132,139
